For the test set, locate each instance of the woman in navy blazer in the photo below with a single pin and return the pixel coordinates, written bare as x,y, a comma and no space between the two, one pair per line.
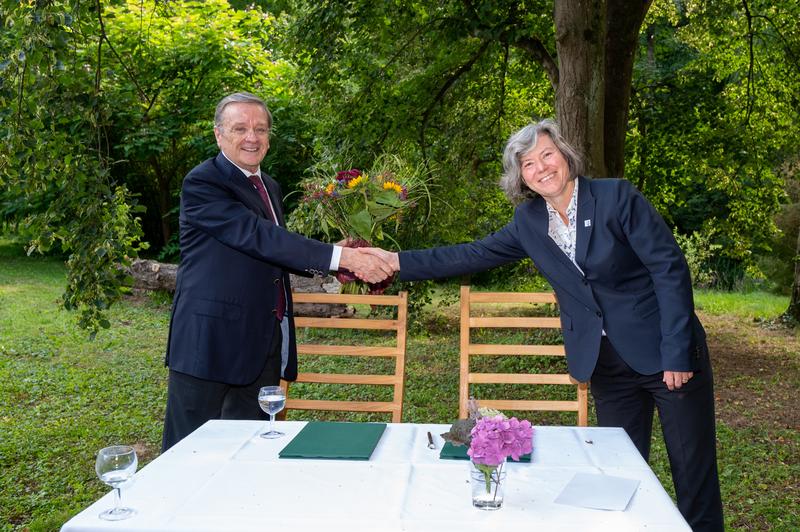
625,298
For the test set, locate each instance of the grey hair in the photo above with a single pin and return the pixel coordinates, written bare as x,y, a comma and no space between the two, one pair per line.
521,143
240,97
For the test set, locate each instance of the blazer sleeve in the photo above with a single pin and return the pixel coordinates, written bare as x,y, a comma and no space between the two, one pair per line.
654,244
213,208
494,250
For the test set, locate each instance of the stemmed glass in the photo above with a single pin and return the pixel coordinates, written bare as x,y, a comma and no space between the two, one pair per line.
115,465
271,399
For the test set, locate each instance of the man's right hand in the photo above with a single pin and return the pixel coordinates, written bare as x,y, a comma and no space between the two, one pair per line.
366,264
389,257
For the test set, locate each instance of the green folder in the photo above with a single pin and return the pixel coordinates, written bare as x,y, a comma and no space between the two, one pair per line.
451,452
330,440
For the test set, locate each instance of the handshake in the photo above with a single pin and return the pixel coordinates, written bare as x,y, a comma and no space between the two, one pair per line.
371,265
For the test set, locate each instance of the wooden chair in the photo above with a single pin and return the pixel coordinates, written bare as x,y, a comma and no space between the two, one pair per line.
397,351
470,322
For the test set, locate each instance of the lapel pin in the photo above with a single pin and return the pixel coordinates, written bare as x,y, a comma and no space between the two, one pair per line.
587,223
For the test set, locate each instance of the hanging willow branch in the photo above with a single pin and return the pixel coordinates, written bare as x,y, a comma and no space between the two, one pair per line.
460,71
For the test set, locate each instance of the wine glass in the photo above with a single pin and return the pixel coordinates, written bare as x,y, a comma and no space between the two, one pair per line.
116,465
271,399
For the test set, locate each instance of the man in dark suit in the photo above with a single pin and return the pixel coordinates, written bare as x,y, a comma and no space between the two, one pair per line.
231,330
625,298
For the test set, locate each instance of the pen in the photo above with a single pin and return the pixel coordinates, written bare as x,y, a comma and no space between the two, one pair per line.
431,445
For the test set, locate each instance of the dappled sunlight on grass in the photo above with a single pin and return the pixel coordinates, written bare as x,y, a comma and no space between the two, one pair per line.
761,305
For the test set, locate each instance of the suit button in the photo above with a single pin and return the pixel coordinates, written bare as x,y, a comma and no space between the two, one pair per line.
599,314
275,312
276,281
585,282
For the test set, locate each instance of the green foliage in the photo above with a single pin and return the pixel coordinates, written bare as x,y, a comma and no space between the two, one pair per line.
102,112
107,100
779,265
439,76
98,239
172,63
698,250
454,78
64,176
711,124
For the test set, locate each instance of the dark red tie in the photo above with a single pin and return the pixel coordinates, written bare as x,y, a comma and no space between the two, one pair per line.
262,191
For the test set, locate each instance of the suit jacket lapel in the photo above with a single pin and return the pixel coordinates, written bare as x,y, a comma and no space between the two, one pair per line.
584,220
243,188
240,185
541,225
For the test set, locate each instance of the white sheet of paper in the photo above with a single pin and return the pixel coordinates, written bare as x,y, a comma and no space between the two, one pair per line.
600,492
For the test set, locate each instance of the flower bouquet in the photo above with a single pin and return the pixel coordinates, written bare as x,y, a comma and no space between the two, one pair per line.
492,439
364,207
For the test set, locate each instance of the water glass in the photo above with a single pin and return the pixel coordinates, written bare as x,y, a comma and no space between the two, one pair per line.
271,399
115,465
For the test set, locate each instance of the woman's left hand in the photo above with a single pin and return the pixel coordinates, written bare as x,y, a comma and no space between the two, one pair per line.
675,379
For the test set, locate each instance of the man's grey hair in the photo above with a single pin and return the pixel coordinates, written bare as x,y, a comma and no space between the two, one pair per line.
240,97
521,143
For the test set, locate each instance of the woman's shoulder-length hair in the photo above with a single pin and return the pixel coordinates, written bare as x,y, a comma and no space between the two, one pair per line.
520,143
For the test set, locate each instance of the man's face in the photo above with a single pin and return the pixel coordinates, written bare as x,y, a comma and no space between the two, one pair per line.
244,134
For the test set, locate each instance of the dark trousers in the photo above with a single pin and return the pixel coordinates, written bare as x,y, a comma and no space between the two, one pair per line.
625,398
192,401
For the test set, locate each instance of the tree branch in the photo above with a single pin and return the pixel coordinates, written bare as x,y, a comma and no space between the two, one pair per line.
96,104
750,85
381,73
501,111
536,51
128,70
463,69
787,46
21,92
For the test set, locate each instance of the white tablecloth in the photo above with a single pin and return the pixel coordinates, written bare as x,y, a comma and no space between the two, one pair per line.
224,477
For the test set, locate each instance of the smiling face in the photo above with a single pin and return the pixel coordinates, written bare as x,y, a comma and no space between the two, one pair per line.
546,171
243,135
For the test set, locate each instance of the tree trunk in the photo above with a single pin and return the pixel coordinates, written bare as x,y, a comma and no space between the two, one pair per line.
580,45
163,197
794,304
596,42
624,20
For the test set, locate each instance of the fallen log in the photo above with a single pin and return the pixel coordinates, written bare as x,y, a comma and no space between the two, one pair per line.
151,275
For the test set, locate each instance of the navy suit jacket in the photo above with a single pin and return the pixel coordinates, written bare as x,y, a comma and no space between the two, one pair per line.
232,256
635,283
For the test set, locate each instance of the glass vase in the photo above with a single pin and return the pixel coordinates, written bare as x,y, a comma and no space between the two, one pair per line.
487,484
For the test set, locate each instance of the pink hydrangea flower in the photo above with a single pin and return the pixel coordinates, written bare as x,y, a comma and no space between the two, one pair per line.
496,438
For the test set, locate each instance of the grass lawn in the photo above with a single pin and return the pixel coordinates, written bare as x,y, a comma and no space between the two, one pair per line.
64,397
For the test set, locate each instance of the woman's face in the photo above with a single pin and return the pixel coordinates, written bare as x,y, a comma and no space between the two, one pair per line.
546,171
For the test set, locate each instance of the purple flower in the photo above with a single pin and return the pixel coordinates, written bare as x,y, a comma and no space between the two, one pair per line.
496,438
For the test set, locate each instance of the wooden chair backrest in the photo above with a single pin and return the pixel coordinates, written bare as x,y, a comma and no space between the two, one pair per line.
397,351
468,349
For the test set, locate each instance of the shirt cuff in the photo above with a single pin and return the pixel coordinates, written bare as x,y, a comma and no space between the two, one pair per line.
335,256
